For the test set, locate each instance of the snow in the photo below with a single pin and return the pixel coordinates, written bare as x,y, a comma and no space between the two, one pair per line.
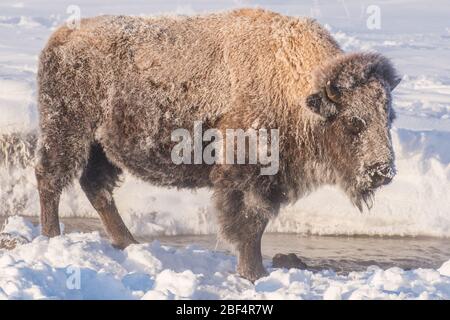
86,266
416,36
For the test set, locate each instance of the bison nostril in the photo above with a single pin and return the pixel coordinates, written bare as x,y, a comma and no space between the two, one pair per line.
378,180
380,174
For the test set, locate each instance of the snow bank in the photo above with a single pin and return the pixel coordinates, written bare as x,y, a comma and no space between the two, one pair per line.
85,266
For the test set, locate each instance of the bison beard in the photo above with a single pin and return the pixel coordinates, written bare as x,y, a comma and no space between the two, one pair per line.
112,92
363,196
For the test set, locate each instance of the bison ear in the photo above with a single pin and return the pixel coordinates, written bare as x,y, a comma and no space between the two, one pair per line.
318,104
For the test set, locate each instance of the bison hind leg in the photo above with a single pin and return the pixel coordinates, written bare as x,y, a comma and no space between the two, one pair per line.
98,181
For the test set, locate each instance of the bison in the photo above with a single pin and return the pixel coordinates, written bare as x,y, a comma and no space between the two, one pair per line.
112,91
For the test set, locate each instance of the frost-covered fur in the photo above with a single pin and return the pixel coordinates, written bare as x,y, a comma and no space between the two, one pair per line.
111,93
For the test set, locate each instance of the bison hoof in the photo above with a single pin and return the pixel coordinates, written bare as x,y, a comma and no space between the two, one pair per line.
9,241
252,273
122,245
288,261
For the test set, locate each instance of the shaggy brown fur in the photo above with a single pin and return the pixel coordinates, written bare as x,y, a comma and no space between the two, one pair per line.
111,93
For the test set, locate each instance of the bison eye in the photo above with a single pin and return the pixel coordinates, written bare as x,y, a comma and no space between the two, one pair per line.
355,125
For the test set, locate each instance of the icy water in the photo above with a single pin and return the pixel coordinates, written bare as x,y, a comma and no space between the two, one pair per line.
339,253
342,254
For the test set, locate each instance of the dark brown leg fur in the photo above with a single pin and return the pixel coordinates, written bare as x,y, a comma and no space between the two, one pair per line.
49,202
98,181
243,217
54,171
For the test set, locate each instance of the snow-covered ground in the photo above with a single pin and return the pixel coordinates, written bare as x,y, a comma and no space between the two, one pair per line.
85,266
414,34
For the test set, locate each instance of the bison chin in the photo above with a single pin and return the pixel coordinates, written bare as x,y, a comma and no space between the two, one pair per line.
361,197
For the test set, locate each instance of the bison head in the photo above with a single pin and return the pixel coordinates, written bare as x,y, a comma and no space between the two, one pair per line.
353,98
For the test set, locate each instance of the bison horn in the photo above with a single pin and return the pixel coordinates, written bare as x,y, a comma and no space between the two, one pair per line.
395,82
332,92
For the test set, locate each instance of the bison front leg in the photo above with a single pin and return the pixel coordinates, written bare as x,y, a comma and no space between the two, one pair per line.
243,217
250,264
